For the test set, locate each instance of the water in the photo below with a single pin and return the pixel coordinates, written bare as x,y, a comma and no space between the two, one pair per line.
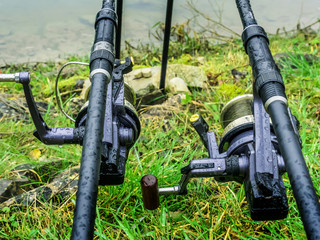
39,30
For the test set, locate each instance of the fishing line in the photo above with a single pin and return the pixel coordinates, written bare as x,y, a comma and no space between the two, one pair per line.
237,108
57,93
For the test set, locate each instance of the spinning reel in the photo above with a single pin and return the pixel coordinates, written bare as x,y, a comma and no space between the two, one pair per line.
248,153
121,123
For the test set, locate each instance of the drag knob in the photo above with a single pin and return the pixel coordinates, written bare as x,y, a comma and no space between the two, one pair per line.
150,192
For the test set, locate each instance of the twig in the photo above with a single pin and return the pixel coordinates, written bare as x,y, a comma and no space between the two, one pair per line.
193,8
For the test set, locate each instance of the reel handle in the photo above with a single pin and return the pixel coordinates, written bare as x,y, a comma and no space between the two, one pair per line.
150,192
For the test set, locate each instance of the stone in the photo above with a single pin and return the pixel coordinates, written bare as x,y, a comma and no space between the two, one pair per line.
26,170
193,76
75,104
59,189
237,75
166,109
146,72
177,85
151,98
201,60
85,89
16,108
46,169
79,84
11,188
137,74
141,85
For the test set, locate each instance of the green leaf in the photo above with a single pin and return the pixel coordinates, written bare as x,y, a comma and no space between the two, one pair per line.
12,218
15,224
6,209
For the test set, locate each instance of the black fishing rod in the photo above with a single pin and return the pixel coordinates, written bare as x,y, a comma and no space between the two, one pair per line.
101,67
110,120
107,125
269,84
119,29
165,49
252,151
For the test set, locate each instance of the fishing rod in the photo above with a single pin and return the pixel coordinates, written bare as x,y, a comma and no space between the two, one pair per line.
252,151
259,143
166,41
107,125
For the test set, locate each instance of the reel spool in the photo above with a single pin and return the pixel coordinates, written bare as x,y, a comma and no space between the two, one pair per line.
129,103
236,117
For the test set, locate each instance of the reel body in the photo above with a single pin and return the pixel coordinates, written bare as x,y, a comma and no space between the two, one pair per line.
249,132
248,153
121,127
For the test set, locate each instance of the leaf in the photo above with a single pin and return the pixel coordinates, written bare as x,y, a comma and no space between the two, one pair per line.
15,224
163,217
124,225
6,209
12,218
35,154
156,24
187,99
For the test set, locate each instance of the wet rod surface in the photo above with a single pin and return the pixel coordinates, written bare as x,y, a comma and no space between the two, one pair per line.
262,64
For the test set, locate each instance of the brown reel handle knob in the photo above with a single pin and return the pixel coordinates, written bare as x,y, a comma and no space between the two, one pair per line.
150,192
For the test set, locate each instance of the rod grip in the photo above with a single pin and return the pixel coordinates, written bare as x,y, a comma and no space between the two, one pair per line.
150,192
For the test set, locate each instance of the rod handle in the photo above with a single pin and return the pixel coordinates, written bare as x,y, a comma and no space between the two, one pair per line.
150,192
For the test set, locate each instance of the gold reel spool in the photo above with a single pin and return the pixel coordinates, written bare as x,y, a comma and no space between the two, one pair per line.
129,97
236,116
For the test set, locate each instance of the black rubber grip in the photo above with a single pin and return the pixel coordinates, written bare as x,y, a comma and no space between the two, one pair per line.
253,31
106,13
265,77
102,54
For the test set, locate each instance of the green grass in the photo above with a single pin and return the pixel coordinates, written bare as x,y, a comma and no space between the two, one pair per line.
211,210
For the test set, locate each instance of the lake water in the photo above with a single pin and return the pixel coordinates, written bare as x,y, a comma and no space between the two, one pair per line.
40,30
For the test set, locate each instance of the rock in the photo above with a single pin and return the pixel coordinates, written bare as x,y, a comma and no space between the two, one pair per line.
47,170
177,85
145,90
137,74
26,170
11,188
146,72
79,84
85,89
60,189
201,60
15,108
140,84
151,98
193,76
238,75
164,110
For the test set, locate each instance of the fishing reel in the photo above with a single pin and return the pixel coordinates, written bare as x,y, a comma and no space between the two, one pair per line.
248,153
121,123
121,127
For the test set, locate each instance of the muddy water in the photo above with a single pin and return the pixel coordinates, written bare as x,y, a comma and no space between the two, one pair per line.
38,30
